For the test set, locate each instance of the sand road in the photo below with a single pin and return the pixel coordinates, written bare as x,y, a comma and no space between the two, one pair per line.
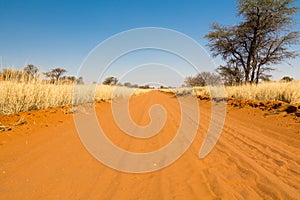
256,157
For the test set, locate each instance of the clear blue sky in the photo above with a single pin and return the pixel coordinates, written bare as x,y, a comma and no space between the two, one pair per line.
50,33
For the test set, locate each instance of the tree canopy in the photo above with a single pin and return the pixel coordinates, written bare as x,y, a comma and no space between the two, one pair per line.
260,40
54,74
31,71
203,79
110,81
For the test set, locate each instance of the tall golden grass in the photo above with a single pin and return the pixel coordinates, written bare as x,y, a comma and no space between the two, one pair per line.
18,96
283,91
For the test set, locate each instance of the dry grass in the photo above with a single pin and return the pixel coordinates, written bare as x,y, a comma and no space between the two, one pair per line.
284,91
23,95
17,96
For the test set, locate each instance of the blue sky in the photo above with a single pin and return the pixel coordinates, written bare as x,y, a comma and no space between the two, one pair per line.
50,33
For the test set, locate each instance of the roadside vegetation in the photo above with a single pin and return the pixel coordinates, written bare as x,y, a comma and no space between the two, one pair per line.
288,92
24,90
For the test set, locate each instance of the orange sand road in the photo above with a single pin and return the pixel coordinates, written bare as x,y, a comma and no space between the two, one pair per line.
256,157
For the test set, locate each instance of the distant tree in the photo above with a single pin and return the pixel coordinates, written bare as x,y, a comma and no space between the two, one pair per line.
55,74
202,79
127,84
197,80
110,81
72,79
130,85
31,71
287,79
230,74
211,78
135,86
261,39
68,79
265,77
80,80
145,87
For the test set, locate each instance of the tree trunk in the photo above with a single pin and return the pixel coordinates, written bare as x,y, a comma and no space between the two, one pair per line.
246,76
257,75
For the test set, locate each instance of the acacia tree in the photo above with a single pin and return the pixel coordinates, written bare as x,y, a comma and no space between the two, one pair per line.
231,74
31,71
110,81
55,74
260,40
127,84
202,79
197,80
287,79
